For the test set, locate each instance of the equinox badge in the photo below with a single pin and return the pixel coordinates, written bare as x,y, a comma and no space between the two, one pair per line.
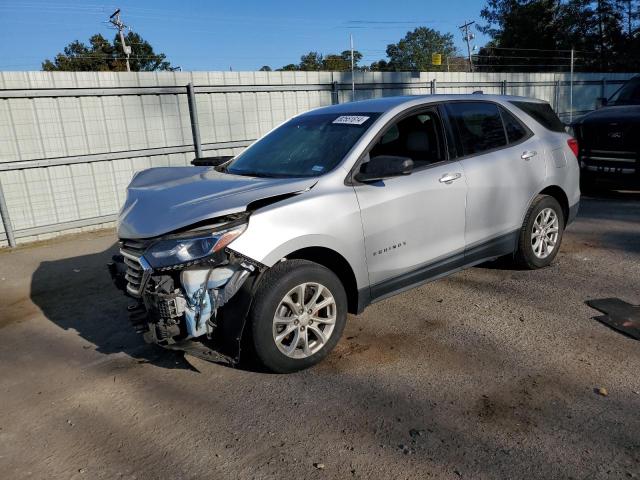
390,248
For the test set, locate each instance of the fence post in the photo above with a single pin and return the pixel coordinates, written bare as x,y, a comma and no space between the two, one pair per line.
432,86
193,114
556,96
6,221
334,93
504,87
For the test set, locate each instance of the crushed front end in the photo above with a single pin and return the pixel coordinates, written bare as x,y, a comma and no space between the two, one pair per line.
185,286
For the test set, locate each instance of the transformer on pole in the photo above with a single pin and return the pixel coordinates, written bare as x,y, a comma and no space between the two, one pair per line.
468,36
117,22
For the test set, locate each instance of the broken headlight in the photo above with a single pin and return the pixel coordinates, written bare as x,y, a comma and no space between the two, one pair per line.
188,250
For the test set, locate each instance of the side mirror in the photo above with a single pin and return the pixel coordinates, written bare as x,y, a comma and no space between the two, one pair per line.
384,166
601,102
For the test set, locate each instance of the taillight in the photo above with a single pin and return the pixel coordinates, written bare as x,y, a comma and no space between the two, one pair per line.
573,145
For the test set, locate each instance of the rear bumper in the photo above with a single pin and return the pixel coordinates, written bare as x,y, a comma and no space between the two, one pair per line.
573,212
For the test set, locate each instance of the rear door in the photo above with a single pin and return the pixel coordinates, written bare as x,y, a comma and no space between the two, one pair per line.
504,165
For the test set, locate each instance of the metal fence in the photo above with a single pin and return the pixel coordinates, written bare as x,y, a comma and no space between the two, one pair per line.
71,142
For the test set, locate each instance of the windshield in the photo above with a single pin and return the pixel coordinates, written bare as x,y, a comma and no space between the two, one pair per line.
629,94
306,146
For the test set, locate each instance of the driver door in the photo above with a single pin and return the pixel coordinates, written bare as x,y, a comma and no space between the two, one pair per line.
413,225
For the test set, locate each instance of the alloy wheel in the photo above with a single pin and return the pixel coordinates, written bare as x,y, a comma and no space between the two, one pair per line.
304,320
544,235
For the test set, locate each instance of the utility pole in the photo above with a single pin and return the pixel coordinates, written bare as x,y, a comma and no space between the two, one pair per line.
468,36
353,80
114,19
571,90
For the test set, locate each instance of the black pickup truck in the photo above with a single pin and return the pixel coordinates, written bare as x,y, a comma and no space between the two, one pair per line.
609,141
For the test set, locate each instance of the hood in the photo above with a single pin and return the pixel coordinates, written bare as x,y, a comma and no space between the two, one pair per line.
161,200
620,113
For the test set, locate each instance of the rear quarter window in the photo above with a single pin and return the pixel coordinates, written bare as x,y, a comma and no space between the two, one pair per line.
543,114
479,126
516,131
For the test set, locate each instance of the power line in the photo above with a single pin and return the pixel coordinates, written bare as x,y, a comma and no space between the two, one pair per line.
534,49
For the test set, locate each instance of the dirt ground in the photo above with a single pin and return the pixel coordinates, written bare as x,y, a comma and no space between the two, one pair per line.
489,373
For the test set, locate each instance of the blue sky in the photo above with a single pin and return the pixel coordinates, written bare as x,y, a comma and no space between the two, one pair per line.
217,35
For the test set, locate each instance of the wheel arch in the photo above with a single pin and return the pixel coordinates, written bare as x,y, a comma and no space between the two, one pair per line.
559,194
339,266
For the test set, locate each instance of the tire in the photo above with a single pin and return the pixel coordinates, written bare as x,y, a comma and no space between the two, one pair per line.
531,254
279,293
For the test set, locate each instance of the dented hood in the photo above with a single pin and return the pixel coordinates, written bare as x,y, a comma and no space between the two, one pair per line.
161,200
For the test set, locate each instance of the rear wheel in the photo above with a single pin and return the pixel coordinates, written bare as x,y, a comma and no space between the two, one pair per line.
541,233
298,315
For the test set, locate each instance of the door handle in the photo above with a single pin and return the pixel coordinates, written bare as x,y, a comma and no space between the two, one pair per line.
528,154
448,178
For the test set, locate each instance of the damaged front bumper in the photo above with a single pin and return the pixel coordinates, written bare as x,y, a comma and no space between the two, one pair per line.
199,307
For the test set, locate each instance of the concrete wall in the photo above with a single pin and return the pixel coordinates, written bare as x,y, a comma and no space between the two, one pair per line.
70,142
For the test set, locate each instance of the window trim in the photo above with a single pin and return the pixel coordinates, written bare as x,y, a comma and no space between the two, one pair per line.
435,106
458,140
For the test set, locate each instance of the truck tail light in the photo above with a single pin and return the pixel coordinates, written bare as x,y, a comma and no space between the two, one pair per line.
573,145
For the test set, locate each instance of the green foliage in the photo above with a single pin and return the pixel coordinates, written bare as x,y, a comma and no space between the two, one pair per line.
413,52
265,68
605,34
103,56
315,62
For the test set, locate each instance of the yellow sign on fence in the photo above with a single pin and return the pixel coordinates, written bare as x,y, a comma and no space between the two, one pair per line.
436,59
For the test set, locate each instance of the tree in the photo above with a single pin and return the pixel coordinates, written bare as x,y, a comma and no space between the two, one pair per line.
102,55
312,61
380,66
342,62
78,57
333,62
537,34
143,58
289,68
265,68
413,52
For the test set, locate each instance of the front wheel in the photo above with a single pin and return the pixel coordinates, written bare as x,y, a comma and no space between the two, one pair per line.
298,315
541,233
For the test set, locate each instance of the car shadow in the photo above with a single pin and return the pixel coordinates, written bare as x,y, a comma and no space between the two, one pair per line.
77,294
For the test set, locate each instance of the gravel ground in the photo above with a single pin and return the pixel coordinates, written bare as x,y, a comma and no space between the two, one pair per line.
489,373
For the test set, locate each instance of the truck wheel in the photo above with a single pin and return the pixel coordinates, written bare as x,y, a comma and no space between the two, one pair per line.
298,315
541,233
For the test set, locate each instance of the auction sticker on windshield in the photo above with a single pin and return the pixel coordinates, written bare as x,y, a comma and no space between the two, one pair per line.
351,119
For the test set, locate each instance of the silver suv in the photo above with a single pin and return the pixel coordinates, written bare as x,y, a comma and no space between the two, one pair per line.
335,209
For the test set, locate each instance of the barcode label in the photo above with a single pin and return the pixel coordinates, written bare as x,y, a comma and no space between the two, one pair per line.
351,119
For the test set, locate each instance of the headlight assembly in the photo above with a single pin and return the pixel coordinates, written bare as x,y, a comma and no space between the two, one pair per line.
178,251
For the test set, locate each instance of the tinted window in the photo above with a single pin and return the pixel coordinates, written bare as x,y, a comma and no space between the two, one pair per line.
479,126
543,113
515,130
418,137
306,146
629,94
